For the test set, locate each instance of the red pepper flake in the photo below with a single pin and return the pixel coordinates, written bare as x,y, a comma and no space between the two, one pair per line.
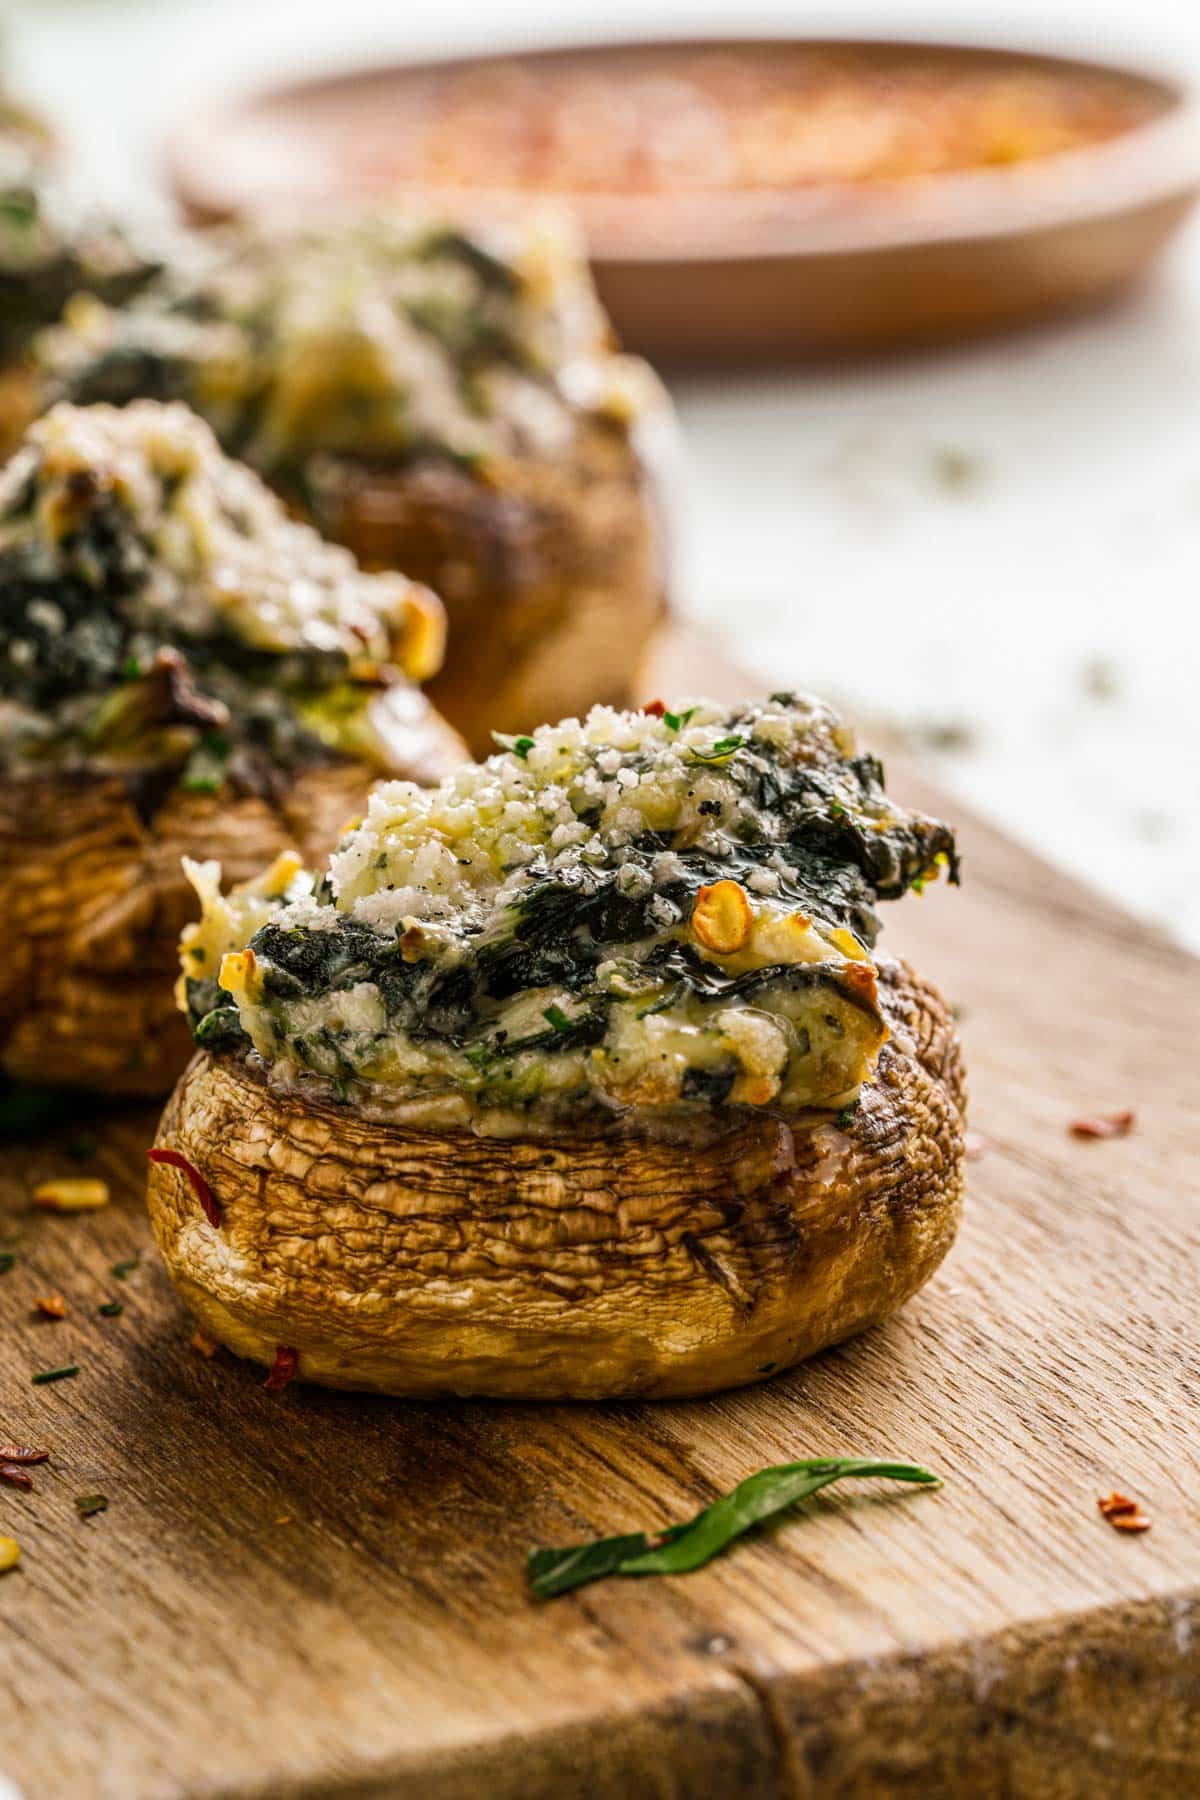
975,1145
283,1369
208,1200
1105,1125
860,978
21,1453
13,1476
654,709
51,1306
1123,1514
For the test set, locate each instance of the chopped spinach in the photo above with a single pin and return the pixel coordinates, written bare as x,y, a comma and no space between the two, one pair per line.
711,1085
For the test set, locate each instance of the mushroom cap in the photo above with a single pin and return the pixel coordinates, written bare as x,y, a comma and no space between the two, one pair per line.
583,1264
554,572
94,898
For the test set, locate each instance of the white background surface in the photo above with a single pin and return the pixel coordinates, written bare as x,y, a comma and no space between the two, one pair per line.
1042,617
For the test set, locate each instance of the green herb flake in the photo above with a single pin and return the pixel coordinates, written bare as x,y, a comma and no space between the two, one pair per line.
520,746
19,208
554,1015
720,752
61,1374
677,721
82,1148
680,1548
111,1309
207,766
88,1505
845,1118
123,1270
131,669
7,1259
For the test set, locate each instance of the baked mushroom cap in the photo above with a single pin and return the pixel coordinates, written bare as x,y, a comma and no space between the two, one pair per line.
584,1265
93,900
443,400
574,1075
181,666
554,570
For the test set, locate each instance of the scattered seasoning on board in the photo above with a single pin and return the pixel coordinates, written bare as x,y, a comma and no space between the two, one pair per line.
51,1306
71,1193
121,1271
83,1147
1123,1514
111,1309
62,1374
7,1259
175,1159
22,1453
12,1475
10,1554
1105,1125
975,1145
283,1369
203,1343
955,469
90,1504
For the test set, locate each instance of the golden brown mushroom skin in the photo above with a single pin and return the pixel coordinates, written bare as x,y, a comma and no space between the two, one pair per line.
93,899
19,398
553,573
578,1266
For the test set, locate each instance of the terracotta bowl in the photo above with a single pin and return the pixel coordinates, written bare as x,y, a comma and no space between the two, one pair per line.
692,271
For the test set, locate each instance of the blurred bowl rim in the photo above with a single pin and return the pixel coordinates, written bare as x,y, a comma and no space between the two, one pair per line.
1152,162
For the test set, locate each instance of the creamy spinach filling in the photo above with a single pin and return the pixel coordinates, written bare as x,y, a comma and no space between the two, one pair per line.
381,339
159,609
633,912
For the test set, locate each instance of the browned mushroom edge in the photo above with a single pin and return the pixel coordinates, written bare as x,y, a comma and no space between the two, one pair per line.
94,898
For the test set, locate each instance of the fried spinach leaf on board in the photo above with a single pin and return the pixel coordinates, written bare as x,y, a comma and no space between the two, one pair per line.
682,1548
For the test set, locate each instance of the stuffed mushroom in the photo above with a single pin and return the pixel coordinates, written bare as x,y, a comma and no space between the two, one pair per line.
574,1076
53,244
444,401
181,665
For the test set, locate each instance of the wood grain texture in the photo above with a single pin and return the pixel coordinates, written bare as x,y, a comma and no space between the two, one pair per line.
996,1638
